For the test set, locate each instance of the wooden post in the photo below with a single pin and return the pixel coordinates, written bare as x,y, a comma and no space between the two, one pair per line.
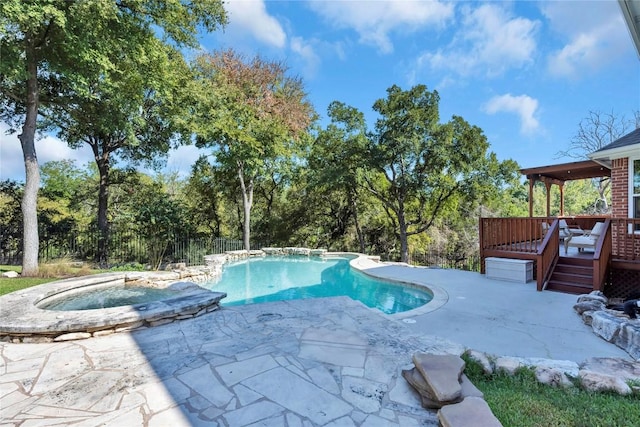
561,198
531,182
547,184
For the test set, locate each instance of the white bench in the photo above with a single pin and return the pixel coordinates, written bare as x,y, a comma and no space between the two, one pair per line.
513,270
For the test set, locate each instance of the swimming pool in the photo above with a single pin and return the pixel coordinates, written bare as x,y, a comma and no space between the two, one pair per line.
278,278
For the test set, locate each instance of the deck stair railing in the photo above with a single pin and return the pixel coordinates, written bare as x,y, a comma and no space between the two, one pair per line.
548,254
521,238
601,257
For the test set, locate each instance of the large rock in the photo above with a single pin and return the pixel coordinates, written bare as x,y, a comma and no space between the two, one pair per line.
472,411
10,274
552,376
597,381
613,366
594,296
442,373
590,305
606,325
628,338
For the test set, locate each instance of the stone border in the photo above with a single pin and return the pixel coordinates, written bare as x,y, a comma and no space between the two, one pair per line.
597,374
22,321
611,325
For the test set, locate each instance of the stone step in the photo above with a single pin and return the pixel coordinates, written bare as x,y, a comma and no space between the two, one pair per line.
442,374
472,411
442,385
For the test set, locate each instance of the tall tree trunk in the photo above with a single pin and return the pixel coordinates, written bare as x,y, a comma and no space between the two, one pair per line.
32,172
404,241
102,257
356,221
247,202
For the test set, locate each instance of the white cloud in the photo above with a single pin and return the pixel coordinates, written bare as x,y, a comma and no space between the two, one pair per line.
48,148
374,20
523,106
489,42
594,36
251,17
306,52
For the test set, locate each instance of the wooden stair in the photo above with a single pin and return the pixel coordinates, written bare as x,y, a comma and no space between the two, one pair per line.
572,276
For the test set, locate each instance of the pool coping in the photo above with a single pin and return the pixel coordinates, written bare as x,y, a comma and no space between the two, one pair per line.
368,264
22,321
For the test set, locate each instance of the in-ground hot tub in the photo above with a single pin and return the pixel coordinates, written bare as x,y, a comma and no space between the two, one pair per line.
24,318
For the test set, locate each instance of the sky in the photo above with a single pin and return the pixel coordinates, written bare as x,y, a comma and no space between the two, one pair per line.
525,72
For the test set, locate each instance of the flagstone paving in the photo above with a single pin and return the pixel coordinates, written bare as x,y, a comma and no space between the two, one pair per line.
314,362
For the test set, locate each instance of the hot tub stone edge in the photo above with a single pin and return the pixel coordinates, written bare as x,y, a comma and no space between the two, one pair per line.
21,321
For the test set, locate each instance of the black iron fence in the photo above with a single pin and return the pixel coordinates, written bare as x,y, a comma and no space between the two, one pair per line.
128,247
124,248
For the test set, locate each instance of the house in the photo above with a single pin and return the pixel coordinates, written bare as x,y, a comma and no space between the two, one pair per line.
612,263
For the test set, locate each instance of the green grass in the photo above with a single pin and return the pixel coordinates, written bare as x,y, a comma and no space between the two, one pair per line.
11,285
521,401
48,272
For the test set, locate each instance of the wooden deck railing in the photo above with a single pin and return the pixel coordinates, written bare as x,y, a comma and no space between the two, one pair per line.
548,253
521,238
511,234
625,234
601,257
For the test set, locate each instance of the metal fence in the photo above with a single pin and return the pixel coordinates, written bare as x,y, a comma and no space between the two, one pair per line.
431,258
125,248
128,247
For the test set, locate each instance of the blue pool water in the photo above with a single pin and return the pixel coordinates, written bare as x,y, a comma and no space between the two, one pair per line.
275,278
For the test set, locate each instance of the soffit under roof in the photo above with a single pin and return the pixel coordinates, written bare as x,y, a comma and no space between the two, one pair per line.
631,13
568,171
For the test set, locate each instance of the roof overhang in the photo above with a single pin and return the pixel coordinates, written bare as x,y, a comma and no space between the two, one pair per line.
631,13
604,157
567,171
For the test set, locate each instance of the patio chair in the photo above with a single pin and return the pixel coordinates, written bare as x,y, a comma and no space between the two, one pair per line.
571,231
563,233
585,241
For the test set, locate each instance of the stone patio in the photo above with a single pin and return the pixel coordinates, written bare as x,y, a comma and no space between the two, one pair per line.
301,363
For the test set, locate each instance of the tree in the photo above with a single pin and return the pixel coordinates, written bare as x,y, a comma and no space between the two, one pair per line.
336,165
49,46
595,131
253,115
422,170
205,194
10,220
135,115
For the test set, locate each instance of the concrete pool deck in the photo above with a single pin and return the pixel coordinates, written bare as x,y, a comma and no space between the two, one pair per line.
297,363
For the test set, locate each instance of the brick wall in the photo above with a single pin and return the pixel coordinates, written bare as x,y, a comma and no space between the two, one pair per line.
620,188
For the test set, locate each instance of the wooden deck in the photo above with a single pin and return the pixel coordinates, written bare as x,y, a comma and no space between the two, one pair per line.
522,238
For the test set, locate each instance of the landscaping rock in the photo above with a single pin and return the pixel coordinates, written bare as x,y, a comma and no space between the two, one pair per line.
10,274
593,296
472,411
552,377
482,359
624,369
590,305
597,381
442,374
